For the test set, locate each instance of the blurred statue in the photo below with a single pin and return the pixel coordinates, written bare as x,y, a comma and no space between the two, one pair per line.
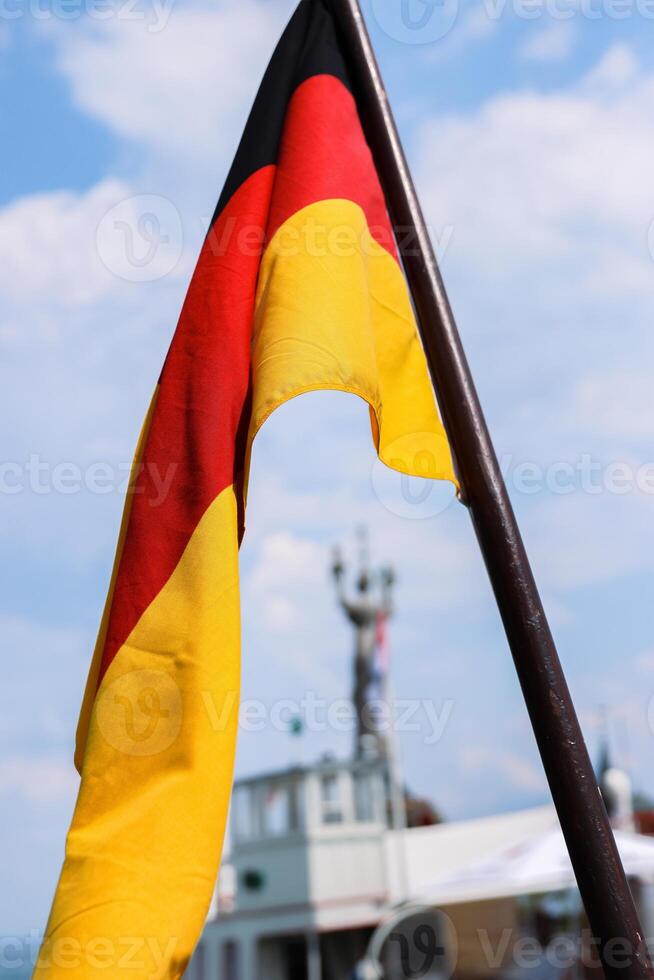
368,612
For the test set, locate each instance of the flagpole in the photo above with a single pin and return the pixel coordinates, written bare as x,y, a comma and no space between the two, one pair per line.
609,905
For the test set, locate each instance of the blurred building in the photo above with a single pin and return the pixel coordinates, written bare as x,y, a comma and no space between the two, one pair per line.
316,865
323,855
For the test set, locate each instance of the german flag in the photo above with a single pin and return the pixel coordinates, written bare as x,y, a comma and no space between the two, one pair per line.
298,287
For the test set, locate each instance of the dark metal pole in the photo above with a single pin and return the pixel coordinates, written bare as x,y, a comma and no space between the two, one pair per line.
602,882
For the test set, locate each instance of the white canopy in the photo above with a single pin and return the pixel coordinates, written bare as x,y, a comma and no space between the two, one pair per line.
535,865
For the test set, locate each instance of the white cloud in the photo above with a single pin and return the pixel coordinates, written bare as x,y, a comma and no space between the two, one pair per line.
81,348
40,781
551,217
48,247
477,24
518,771
618,67
285,560
285,582
180,90
280,614
552,43
583,540
45,669
559,613
534,176
473,26
619,403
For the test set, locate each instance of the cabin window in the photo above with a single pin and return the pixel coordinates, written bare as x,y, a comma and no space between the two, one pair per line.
364,798
332,804
277,811
296,806
231,961
243,821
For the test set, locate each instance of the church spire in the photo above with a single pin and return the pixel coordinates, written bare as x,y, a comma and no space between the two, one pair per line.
614,783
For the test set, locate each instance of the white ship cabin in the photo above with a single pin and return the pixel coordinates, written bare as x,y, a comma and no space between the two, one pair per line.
312,869
319,858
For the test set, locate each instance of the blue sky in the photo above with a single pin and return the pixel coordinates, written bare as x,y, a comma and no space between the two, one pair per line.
532,145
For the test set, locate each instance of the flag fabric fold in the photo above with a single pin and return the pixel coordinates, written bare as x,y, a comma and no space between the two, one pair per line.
298,288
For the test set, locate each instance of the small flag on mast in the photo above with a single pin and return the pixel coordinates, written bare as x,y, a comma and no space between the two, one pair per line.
382,644
298,288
